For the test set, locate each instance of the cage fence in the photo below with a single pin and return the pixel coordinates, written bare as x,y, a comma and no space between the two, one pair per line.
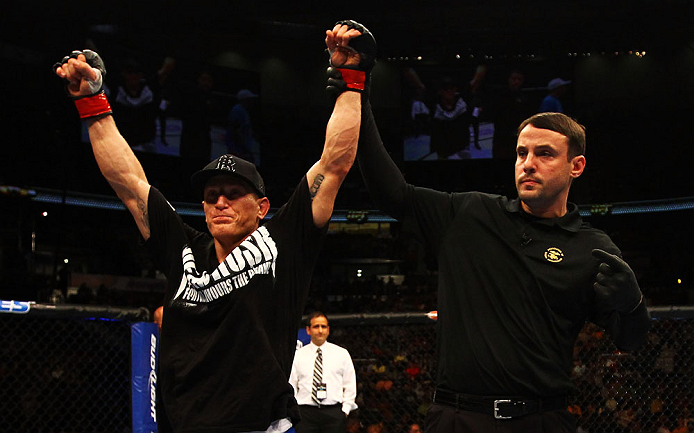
65,372
66,369
617,392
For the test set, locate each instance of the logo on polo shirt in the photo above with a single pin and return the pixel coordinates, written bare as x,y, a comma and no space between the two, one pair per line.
554,255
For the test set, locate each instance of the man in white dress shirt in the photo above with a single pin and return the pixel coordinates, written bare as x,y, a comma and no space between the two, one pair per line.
324,381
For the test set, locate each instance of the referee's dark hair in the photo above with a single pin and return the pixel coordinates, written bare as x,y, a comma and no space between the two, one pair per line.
563,124
314,315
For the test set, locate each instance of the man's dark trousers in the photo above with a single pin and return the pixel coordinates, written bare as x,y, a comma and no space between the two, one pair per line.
326,419
444,419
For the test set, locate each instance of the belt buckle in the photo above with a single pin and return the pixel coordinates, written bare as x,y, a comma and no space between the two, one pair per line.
498,409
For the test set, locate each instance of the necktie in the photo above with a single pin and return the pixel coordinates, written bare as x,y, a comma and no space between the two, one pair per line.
317,376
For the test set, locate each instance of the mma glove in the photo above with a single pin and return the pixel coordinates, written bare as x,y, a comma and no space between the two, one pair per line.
356,78
615,285
95,104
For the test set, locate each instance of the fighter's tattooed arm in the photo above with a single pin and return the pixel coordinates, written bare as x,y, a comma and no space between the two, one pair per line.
142,206
316,185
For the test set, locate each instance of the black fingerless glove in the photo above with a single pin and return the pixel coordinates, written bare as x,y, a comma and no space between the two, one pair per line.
356,78
95,104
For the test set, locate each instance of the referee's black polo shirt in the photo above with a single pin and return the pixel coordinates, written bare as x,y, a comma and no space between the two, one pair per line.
514,291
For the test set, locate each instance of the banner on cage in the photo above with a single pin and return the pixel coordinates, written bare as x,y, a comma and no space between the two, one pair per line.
16,307
145,346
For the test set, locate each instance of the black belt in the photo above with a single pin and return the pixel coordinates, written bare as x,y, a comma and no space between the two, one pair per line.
499,408
322,406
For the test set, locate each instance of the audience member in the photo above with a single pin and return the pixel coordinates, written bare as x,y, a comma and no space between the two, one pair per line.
551,103
240,138
509,109
450,127
196,112
134,107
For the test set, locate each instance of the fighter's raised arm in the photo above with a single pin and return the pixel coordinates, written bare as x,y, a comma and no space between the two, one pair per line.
382,177
84,71
349,43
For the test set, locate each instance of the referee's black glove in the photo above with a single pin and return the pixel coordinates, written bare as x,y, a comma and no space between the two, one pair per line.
615,285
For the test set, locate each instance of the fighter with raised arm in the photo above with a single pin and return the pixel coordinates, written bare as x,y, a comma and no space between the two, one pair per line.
518,278
235,296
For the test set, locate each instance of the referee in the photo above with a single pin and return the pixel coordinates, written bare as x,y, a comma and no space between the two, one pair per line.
518,278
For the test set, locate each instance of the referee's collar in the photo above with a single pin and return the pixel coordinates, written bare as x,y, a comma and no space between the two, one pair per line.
571,221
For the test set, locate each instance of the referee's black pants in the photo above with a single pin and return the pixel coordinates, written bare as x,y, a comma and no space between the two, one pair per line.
326,419
445,419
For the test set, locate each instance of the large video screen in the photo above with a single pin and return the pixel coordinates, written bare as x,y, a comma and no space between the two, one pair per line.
187,110
473,111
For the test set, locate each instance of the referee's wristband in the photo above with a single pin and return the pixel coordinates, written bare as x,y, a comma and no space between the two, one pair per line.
93,106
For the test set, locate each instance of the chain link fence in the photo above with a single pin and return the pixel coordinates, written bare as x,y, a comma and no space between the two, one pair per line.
71,373
617,392
66,370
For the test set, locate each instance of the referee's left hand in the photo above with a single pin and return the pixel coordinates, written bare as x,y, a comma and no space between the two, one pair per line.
615,285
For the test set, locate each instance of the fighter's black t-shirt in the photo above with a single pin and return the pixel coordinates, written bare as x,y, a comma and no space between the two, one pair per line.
514,291
229,329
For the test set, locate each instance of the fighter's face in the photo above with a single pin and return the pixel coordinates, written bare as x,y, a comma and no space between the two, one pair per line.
318,330
544,171
232,210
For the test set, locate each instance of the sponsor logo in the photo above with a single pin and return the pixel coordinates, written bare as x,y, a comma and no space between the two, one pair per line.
153,377
226,162
16,307
256,255
554,255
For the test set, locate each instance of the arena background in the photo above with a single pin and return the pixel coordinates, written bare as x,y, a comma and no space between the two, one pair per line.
631,65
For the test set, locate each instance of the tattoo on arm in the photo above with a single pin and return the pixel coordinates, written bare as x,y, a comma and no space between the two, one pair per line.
316,185
143,212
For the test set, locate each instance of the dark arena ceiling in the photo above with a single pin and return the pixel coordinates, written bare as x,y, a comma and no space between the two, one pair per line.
435,30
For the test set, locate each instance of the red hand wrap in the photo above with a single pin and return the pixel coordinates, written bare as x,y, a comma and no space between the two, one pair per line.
353,78
92,106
